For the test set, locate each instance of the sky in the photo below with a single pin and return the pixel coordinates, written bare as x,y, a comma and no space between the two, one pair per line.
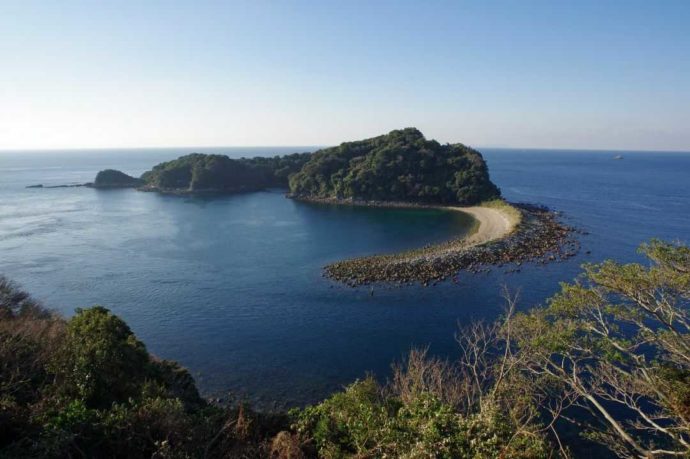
542,74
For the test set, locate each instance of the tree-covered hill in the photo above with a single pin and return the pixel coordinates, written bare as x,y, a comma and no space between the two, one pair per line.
199,172
111,178
399,166
277,169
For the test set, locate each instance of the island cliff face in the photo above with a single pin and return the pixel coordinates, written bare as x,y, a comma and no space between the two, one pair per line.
401,166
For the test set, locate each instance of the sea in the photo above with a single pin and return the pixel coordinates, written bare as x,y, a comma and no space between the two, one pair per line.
232,287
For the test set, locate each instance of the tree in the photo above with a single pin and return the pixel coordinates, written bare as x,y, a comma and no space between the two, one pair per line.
616,344
475,407
101,362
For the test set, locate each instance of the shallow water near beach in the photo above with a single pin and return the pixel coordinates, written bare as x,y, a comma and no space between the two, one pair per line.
232,288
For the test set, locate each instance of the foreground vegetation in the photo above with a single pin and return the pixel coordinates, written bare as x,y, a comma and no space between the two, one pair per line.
610,354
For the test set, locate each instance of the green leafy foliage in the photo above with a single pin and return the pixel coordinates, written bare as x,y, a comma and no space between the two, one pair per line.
199,172
111,178
617,344
88,387
101,361
610,353
278,169
364,421
399,166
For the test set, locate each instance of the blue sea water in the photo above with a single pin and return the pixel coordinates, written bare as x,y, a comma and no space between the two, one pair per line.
231,287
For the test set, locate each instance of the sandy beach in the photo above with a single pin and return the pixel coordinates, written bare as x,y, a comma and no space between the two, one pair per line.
494,223
495,220
504,234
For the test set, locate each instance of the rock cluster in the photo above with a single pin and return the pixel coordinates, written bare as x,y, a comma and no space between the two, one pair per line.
540,237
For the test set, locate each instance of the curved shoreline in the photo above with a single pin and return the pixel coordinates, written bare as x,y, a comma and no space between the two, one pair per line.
493,224
494,219
505,234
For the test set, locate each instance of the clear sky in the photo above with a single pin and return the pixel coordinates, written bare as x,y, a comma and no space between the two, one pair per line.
523,73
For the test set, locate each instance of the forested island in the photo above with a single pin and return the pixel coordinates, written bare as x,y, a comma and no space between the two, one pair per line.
111,178
604,362
199,173
401,166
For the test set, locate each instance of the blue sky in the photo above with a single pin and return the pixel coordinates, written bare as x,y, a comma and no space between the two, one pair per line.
546,74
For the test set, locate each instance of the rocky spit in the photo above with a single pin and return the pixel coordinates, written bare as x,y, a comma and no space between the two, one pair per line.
539,238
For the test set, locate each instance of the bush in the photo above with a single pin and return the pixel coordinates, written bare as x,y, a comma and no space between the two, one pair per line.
100,362
609,352
362,422
87,387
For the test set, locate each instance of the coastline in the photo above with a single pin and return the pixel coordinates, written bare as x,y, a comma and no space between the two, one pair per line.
506,233
493,223
494,219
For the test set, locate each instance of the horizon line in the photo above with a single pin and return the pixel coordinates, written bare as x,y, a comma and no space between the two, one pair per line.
479,148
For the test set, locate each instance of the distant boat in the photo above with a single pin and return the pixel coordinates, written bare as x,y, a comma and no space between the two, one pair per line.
618,157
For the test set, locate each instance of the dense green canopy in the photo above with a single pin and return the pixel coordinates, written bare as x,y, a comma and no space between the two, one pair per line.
199,172
277,169
111,178
218,173
399,166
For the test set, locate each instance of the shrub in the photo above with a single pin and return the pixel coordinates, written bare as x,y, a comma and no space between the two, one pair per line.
100,362
363,422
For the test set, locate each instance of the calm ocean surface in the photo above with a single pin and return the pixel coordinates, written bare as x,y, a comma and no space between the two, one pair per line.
231,287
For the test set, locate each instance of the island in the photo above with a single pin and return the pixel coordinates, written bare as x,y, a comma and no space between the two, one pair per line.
398,169
401,166
111,178
404,169
199,173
